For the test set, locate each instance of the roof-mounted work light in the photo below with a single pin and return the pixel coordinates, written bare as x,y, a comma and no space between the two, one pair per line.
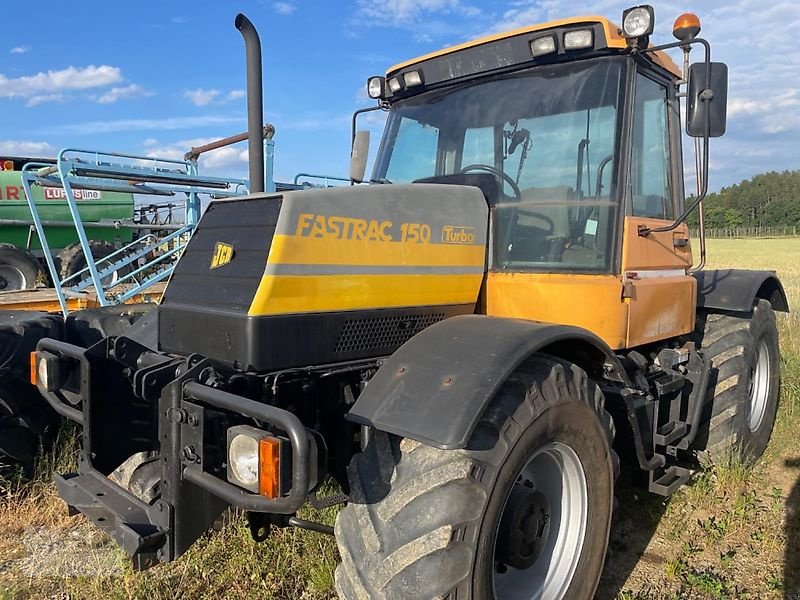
638,22
376,87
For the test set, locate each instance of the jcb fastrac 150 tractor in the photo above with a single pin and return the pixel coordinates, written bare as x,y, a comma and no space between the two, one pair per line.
466,346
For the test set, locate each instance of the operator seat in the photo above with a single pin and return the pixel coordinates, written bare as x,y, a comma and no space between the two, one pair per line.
542,224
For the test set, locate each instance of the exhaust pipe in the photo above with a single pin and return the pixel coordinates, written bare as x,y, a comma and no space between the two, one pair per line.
255,107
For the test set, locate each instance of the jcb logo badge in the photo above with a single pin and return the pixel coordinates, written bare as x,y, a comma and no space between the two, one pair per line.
223,254
458,235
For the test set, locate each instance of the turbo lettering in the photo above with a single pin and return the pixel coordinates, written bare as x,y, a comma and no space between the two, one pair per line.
458,235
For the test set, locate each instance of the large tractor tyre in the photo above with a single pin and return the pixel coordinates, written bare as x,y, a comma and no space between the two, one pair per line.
71,260
742,398
27,424
522,512
18,269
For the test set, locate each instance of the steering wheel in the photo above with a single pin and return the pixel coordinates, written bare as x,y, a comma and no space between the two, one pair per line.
497,173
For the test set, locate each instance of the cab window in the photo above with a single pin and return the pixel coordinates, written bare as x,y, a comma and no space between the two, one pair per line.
414,151
650,186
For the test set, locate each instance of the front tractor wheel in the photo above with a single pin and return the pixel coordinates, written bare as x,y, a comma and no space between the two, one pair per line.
522,513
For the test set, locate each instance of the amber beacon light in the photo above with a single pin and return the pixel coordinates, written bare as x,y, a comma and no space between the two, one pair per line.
686,27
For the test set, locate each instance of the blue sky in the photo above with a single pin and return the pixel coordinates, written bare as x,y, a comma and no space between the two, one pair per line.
156,77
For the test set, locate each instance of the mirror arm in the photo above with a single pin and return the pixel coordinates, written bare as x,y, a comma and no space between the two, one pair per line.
703,175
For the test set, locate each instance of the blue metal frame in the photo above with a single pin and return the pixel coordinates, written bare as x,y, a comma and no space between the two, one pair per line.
326,179
128,173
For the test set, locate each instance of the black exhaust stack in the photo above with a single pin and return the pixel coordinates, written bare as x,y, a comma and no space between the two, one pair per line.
255,116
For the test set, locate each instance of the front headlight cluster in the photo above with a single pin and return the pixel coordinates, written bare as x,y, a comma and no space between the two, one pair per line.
45,370
254,460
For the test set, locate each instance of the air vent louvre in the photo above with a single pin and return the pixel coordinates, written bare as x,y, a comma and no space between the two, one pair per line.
358,335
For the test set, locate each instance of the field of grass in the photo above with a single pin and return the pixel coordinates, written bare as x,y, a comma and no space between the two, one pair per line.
732,533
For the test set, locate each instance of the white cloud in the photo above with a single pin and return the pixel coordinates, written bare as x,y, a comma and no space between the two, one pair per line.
20,49
284,8
54,82
405,12
122,93
169,123
203,97
26,148
200,96
44,98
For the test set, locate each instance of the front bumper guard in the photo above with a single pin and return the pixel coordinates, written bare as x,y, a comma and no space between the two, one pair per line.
164,530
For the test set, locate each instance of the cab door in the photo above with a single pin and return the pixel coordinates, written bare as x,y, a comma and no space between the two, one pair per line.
656,285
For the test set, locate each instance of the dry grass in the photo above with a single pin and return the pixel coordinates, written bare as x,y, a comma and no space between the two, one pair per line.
733,533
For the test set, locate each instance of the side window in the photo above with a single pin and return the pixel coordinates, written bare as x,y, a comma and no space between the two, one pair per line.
414,153
651,188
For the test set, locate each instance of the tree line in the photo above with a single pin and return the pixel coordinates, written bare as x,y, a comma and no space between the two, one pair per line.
766,200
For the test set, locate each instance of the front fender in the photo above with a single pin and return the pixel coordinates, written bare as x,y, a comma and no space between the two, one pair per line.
436,387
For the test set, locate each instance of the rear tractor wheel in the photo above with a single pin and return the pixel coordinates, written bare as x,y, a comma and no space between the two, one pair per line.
742,399
522,513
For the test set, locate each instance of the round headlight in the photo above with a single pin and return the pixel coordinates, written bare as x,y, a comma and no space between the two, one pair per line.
638,22
243,458
43,373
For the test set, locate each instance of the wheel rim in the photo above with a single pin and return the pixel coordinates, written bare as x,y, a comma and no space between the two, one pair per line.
11,278
759,387
556,472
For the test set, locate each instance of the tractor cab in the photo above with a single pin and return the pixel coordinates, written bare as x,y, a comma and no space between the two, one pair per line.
578,127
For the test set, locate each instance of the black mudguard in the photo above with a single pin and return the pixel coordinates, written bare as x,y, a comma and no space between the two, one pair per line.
737,289
436,387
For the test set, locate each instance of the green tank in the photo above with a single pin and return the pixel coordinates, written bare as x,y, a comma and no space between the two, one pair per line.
51,202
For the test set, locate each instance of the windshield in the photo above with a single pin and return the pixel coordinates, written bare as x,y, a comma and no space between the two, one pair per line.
548,134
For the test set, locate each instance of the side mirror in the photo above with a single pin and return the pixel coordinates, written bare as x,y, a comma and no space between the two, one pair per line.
707,100
358,156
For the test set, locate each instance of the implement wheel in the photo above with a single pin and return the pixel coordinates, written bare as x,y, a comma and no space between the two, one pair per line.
742,399
71,260
18,269
522,513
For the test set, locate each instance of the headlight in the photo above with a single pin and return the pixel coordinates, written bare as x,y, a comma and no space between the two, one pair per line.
243,458
638,21
375,87
543,45
45,371
254,460
575,40
413,78
394,85
42,373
